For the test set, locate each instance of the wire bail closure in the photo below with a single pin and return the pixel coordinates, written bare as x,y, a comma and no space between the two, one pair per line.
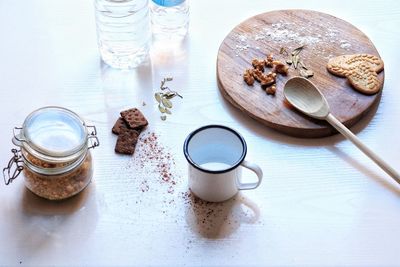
92,136
14,167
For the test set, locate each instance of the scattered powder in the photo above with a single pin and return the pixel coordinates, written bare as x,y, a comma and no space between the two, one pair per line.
282,32
331,33
344,44
155,162
242,38
216,220
241,48
154,166
205,212
241,45
171,189
291,35
144,186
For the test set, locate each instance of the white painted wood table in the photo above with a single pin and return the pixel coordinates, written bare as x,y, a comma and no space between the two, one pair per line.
322,201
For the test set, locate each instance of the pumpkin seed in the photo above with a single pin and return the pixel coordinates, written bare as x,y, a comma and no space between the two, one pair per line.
306,73
166,102
296,61
161,108
157,96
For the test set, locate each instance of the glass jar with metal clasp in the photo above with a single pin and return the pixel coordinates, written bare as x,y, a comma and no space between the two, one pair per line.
53,153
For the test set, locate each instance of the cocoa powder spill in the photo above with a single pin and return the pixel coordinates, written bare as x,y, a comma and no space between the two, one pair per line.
156,159
213,220
155,164
202,207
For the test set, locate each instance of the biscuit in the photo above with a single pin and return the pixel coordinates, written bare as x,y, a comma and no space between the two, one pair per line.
128,128
126,142
364,79
341,64
134,118
119,126
360,69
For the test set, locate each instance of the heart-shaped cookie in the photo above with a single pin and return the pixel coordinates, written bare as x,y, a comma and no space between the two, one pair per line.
360,69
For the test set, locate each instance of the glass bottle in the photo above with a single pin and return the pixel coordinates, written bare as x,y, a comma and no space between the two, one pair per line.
123,32
169,19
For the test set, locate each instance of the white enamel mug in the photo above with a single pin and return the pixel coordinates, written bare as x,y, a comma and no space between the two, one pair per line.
215,154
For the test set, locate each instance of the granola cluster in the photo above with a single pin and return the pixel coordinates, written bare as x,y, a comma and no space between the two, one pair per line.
58,186
267,80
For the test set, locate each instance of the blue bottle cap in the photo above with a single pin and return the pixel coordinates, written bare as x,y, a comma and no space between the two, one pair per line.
168,3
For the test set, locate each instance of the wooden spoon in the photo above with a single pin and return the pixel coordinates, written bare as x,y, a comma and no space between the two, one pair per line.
306,97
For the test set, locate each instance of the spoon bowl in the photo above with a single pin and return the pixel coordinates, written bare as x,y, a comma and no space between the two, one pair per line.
306,97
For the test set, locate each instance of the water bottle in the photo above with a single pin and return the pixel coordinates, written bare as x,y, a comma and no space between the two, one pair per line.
123,32
169,19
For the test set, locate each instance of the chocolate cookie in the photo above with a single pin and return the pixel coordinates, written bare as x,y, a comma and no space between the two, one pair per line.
119,126
134,118
126,141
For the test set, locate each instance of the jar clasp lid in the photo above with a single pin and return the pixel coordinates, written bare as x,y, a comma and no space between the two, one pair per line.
18,137
92,136
14,167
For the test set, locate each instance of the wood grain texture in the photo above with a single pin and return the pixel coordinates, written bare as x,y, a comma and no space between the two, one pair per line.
324,37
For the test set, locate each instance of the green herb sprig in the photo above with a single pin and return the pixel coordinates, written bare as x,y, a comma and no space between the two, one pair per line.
297,63
164,98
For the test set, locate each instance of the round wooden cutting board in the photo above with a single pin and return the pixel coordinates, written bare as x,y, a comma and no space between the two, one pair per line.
323,37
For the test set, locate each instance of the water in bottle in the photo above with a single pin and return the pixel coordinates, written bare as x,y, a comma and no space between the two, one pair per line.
169,19
123,32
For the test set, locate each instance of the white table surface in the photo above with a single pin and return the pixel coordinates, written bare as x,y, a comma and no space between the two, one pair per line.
322,203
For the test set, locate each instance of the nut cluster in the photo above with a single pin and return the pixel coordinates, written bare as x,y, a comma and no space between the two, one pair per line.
267,80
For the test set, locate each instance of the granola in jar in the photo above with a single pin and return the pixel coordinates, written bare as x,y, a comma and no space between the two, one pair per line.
60,186
54,154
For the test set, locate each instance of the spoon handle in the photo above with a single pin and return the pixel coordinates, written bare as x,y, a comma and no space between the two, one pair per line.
354,139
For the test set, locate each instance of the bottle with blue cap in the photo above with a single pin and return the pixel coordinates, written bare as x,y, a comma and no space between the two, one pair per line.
169,19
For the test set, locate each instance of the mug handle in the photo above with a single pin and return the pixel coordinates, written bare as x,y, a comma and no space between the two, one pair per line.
256,169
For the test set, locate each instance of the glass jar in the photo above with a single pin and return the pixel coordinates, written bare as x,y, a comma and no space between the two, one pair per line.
54,153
